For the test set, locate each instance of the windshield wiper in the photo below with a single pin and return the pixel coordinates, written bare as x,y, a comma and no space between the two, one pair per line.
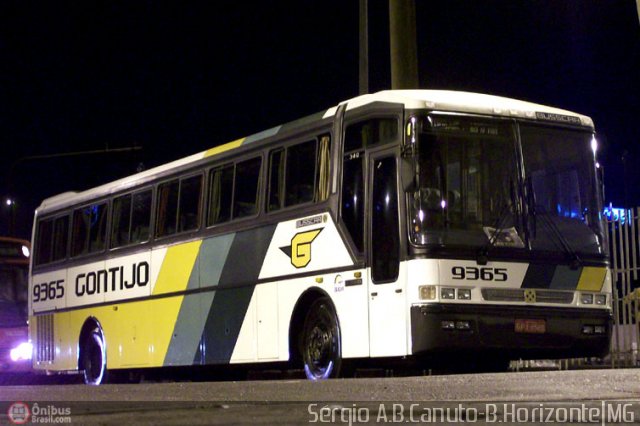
483,253
497,231
575,261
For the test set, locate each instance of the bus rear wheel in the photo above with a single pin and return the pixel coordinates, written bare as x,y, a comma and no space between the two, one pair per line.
321,341
94,358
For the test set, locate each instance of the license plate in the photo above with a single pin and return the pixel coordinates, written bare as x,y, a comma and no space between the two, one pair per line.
532,326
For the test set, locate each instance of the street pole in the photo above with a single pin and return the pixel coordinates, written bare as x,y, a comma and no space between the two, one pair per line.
404,56
11,203
364,47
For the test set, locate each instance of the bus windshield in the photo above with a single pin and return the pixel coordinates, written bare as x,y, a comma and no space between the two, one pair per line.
471,193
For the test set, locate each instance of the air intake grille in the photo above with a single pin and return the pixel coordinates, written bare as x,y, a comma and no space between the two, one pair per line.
45,342
546,296
519,295
503,295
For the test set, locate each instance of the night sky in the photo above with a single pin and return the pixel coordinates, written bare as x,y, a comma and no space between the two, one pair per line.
176,78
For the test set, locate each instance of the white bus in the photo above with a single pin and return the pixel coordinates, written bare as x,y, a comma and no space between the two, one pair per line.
423,226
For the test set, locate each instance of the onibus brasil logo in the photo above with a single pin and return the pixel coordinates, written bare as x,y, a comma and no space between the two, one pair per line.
19,413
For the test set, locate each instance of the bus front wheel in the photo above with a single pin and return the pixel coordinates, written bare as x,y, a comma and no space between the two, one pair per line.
321,345
94,358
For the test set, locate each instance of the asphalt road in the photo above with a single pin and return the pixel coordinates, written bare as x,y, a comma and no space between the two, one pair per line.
480,399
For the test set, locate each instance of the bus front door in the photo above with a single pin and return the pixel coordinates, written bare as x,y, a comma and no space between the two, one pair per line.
387,307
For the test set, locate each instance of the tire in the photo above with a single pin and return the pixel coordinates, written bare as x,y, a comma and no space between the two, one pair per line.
321,341
94,358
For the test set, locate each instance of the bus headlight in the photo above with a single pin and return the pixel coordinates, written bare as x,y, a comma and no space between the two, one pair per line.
601,299
599,329
427,292
586,299
21,352
464,293
448,293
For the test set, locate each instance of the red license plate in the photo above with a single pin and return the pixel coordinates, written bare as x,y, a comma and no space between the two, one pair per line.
532,326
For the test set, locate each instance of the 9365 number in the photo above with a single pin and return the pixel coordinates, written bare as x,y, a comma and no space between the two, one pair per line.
48,291
472,273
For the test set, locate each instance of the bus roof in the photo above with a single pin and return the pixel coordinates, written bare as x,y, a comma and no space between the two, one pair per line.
473,103
436,100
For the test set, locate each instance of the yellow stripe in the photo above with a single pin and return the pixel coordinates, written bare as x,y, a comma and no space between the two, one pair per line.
174,276
223,148
176,268
592,278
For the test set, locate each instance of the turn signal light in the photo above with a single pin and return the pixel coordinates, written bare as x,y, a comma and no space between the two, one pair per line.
427,292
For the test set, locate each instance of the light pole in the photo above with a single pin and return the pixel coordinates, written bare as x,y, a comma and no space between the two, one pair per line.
11,203
364,47
404,56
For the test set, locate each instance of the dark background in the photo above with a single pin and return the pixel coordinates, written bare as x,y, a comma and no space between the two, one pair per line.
180,77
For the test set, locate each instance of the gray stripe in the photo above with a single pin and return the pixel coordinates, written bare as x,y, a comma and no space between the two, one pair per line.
185,340
211,259
565,278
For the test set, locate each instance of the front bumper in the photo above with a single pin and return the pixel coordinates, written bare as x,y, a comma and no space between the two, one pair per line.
492,329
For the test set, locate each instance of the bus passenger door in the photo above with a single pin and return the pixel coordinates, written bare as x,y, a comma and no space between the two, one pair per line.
386,292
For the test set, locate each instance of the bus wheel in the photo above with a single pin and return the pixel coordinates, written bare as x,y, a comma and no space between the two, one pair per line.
321,350
94,358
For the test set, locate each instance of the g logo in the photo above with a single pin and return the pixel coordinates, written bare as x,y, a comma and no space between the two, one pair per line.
300,249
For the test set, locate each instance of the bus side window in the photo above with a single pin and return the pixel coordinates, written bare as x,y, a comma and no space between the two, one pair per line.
167,208
276,180
121,221
322,169
179,205
141,216
304,178
60,238
189,207
301,172
130,219
44,242
220,194
372,132
245,194
89,229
